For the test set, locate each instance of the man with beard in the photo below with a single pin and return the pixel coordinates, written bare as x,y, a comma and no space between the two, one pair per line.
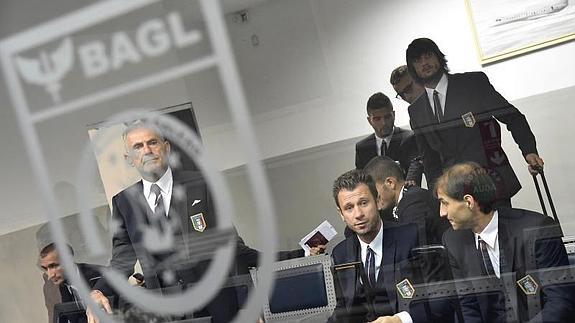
457,120
388,140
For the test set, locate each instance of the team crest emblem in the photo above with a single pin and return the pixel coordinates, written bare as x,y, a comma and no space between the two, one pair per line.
405,289
468,119
198,222
528,285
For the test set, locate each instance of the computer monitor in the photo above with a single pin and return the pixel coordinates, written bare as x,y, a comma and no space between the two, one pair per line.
303,288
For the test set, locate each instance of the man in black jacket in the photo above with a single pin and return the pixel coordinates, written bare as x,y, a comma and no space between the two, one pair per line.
388,140
456,120
495,243
402,204
55,278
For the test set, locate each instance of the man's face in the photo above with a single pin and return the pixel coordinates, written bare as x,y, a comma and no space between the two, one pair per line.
386,194
51,266
358,210
427,66
457,212
147,152
382,121
407,89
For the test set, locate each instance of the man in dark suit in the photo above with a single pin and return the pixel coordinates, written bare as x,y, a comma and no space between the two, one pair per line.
457,120
404,86
55,278
401,204
388,140
158,220
379,251
494,242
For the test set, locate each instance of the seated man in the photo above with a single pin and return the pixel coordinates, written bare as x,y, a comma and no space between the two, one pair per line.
491,242
402,204
383,250
56,279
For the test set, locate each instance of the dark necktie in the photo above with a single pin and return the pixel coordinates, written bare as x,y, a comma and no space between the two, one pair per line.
485,257
370,264
159,201
383,148
437,106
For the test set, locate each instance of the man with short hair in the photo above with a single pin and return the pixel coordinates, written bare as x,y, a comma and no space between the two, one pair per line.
159,218
49,262
491,242
382,250
404,86
388,140
457,121
402,204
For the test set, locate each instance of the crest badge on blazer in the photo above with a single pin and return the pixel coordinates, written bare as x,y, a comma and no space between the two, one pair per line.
528,285
198,222
468,119
405,288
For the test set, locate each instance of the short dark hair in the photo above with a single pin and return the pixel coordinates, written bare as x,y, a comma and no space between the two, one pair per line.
419,47
51,247
397,74
351,180
378,101
468,178
380,168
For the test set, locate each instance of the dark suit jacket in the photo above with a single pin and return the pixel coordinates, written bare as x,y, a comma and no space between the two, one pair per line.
516,228
472,96
402,148
132,216
398,240
418,206
90,273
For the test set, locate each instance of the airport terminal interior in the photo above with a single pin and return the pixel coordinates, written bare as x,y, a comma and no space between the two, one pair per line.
277,92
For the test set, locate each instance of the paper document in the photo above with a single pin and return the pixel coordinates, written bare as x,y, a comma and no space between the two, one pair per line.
319,236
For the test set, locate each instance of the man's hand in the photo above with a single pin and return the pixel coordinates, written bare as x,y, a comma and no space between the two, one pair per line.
387,319
317,250
534,161
102,301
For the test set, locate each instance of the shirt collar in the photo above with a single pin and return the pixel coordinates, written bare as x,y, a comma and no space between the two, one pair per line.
386,138
376,244
489,233
398,200
441,86
165,183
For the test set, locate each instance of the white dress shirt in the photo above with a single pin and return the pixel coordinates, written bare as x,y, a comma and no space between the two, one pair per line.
441,89
377,246
490,235
166,182
379,141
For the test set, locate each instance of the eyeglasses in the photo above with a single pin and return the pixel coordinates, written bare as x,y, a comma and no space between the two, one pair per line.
401,94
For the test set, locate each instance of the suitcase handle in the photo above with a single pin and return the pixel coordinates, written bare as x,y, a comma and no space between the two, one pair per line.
539,170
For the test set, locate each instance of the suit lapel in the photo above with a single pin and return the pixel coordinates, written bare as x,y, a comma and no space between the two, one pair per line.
386,277
395,142
507,246
350,276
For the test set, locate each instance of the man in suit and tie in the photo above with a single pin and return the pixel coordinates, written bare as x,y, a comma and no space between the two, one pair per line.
404,86
491,243
401,204
379,251
156,220
457,120
57,288
388,140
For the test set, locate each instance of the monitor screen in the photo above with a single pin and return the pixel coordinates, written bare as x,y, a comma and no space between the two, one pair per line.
299,289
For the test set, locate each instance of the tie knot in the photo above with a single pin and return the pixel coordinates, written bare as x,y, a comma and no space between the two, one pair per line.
155,189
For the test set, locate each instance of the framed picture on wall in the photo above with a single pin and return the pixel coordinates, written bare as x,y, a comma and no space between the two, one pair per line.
507,28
